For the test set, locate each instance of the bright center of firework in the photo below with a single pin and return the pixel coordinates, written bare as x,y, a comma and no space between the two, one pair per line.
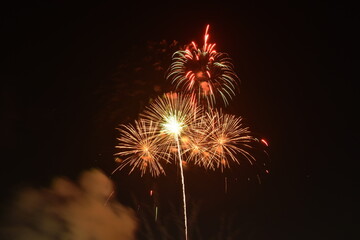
200,74
221,140
145,148
172,125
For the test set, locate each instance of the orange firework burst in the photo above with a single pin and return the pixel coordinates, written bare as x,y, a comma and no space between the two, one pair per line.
196,145
141,147
203,72
221,141
228,138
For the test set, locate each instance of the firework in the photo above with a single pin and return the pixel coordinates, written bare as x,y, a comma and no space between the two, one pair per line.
141,147
222,139
203,72
175,126
196,146
177,115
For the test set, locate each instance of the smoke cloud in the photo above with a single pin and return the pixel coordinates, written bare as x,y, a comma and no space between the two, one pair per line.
69,211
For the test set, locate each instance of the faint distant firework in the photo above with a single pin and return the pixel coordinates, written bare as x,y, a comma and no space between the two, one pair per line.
204,73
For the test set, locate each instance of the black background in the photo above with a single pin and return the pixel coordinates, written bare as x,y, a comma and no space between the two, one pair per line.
295,64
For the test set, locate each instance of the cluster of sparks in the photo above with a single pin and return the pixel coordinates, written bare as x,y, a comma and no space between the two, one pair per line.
142,147
203,72
208,138
184,124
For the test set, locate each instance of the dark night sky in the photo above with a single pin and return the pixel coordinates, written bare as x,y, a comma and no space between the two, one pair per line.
294,61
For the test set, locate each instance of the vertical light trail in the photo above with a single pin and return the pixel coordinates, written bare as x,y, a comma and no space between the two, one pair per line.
182,184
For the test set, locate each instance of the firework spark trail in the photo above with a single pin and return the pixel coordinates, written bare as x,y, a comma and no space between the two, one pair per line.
183,186
175,113
203,72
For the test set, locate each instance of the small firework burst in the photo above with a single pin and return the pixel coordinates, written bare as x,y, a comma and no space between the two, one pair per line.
196,146
203,72
221,140
141,147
